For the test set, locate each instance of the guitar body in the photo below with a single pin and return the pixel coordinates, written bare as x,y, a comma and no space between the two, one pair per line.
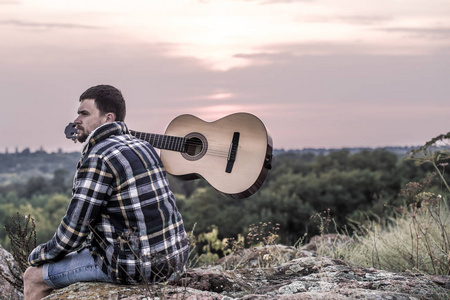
233,153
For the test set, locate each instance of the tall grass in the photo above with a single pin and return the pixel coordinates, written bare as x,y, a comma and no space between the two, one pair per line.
416,239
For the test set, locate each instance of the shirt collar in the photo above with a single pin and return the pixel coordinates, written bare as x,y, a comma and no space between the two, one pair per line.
102,132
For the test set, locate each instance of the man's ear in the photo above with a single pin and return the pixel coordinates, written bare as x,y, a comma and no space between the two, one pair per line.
110,117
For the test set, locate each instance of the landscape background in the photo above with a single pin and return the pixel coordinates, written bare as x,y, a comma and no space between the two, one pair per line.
349,186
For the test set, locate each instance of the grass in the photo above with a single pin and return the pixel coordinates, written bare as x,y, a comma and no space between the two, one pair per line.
416,239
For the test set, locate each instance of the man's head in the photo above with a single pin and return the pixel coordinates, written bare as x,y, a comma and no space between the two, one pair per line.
108,100
99,105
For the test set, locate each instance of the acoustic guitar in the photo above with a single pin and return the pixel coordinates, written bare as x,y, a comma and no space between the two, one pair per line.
233,154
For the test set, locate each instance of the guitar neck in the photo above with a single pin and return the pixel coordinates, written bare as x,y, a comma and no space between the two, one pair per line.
161,141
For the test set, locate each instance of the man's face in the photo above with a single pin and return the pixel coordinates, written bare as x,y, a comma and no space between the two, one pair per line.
89,118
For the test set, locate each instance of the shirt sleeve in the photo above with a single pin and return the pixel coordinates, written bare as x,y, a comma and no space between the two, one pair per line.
92,187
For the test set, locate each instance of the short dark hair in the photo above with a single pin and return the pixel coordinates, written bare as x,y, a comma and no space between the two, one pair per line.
108,99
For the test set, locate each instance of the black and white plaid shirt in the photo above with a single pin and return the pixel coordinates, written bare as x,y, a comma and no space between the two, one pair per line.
122,202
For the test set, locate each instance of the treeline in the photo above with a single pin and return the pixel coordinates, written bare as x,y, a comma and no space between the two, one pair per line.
300,190
17,167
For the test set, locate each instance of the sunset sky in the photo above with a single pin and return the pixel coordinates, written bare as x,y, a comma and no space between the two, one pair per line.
318,73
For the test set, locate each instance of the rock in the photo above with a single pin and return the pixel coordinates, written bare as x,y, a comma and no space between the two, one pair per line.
301,276
271,272
93,291
11,277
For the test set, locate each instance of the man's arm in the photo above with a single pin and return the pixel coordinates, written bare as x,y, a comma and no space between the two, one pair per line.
92,186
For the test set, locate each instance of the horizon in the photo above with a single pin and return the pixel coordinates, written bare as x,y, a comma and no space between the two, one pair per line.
17,150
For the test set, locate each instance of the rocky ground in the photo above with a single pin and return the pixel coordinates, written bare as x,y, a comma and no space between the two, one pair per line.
271,272
11,279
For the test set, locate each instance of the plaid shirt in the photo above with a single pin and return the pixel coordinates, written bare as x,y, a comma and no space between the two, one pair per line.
123,208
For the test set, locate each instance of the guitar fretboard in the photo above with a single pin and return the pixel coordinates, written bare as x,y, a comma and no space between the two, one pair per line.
161,141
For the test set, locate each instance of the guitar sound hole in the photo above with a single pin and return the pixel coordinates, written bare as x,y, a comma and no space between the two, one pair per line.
196,146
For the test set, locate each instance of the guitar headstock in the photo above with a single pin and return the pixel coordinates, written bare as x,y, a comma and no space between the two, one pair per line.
71,132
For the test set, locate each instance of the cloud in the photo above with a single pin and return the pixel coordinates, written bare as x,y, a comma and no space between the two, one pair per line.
41,25
9,2
354,99
366,20
427,33
350,78
283,52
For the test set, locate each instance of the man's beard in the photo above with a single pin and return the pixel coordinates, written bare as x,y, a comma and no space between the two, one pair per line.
81,137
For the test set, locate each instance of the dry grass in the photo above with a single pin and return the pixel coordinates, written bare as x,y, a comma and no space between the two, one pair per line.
416,241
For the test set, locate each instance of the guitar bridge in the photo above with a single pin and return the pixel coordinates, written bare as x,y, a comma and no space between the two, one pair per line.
232,152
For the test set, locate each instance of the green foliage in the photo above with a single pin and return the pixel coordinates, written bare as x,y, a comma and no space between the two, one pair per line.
301,185
212,245
207,207
260,235
46,218
45,200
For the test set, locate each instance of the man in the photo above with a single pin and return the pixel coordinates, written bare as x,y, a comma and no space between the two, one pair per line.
122,224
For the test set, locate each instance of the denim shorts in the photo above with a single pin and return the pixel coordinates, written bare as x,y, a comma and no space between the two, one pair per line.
75,267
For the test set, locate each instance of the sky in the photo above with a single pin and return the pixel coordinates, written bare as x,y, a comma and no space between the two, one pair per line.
318,73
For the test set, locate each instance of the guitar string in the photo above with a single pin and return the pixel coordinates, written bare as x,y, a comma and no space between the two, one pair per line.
210,151
213,152
200,144
217,150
